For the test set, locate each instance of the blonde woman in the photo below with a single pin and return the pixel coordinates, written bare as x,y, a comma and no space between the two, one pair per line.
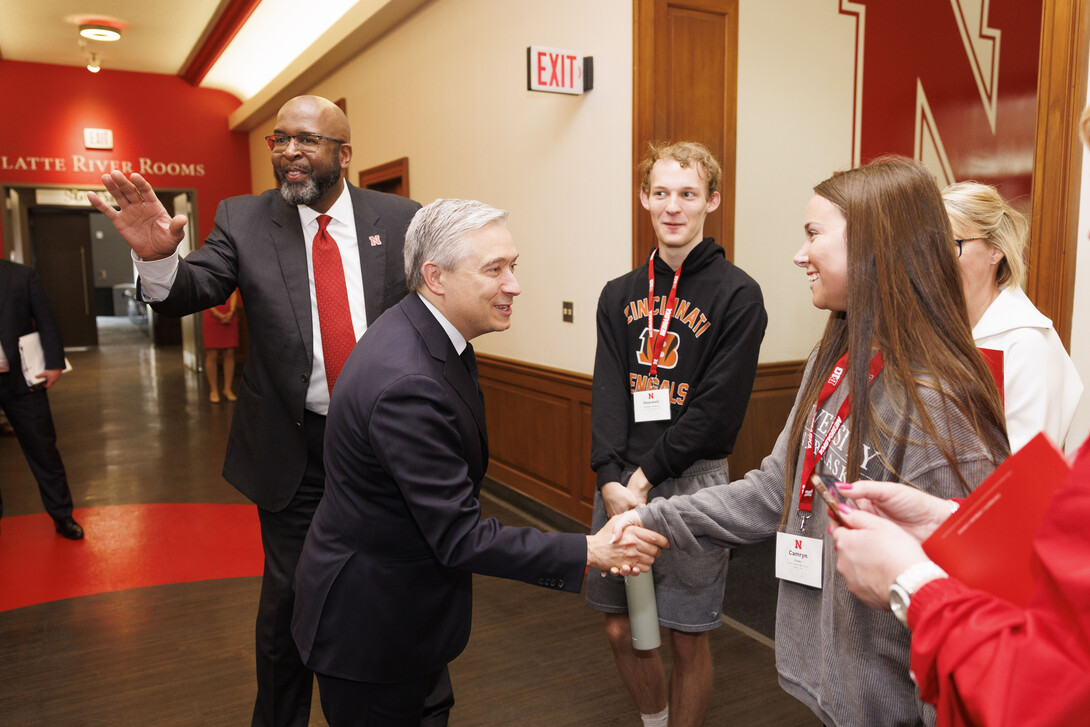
1041,388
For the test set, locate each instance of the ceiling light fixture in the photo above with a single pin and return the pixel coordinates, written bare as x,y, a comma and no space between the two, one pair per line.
100,31
93,65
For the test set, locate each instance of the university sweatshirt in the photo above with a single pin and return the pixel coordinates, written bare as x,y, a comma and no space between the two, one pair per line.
708,362
846,662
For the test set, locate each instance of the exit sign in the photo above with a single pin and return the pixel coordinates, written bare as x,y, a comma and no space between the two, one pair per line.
558,71
98,138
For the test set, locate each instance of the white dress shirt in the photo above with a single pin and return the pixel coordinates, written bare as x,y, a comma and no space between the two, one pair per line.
456,338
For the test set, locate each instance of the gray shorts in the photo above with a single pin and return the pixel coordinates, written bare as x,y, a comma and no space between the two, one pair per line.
688,587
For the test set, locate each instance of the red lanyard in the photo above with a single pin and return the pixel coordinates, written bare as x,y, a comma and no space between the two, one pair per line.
658,341
810,460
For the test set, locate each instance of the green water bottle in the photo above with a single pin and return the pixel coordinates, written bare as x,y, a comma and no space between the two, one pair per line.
643,614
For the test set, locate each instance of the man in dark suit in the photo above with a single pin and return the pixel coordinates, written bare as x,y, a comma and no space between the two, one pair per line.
24,307
316,261
384,584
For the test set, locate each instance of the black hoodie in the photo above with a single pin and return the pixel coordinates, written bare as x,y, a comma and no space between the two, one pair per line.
708,362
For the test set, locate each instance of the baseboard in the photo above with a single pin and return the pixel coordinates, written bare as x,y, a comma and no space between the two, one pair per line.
539,429
540,516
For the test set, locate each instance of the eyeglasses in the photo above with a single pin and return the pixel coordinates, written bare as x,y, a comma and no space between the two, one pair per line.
962,240
303,142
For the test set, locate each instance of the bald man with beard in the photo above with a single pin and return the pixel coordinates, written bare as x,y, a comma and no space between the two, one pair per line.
269,246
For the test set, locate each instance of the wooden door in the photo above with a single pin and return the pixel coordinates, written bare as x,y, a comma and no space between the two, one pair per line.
391,177
60,241
686,89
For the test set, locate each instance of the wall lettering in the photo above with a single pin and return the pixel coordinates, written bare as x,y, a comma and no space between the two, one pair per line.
81,163
32,164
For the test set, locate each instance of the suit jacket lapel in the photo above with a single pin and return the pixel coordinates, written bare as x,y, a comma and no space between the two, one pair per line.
291,251
459,377
454,369
373,242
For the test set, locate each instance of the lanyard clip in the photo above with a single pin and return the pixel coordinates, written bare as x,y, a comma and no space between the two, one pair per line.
803,517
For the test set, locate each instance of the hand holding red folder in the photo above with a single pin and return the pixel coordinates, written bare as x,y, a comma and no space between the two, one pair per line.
988,542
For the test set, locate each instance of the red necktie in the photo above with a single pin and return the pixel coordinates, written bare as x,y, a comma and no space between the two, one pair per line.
334,315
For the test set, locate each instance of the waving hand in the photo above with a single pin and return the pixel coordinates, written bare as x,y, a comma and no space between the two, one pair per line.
141,218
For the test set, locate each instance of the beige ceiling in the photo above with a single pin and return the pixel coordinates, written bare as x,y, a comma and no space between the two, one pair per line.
158,35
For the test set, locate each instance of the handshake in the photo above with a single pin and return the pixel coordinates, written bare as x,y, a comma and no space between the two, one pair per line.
623,546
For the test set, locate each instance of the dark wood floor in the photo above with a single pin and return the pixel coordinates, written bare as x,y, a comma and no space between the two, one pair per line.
136,427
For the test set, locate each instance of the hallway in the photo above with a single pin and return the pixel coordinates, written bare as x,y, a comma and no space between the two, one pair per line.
149,619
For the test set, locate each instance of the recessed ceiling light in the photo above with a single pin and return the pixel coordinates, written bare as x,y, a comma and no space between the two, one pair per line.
100,32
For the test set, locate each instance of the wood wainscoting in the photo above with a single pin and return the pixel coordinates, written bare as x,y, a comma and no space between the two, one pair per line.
539,428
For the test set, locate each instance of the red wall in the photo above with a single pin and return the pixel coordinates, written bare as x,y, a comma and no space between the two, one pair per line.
918,44
179,130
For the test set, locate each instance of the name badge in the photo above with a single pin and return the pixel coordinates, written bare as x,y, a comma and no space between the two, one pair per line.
798,559
652,405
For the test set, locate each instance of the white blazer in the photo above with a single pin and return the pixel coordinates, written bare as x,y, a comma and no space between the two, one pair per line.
1041,388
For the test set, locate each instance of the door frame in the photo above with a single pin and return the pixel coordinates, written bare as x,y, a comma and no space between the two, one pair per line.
1057,160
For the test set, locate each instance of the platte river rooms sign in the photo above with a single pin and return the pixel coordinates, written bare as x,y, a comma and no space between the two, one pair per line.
80,163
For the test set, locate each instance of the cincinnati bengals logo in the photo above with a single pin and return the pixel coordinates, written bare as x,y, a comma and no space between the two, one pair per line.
668,357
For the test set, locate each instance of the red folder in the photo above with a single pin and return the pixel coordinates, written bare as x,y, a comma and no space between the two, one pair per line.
988,542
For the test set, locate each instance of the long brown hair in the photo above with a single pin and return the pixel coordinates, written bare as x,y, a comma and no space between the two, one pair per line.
904,295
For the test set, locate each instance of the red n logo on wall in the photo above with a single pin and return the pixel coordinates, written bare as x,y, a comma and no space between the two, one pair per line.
950,82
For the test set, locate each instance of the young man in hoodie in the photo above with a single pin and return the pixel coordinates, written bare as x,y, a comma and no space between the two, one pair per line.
677,354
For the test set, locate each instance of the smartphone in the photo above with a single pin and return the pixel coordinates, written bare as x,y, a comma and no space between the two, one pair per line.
826,485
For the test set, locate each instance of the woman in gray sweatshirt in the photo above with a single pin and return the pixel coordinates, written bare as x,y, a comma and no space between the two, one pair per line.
895,390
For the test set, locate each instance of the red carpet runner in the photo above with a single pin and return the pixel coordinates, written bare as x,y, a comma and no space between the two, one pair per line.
126,546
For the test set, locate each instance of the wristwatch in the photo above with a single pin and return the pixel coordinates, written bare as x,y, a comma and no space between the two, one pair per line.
913,579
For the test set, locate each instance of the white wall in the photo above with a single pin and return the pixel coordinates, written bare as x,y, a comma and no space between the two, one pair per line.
447,88
795,71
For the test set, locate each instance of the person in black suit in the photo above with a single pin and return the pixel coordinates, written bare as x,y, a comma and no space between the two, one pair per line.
384,584
24,307
268,246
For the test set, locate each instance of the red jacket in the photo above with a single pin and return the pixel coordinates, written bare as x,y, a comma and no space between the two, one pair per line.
986,663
